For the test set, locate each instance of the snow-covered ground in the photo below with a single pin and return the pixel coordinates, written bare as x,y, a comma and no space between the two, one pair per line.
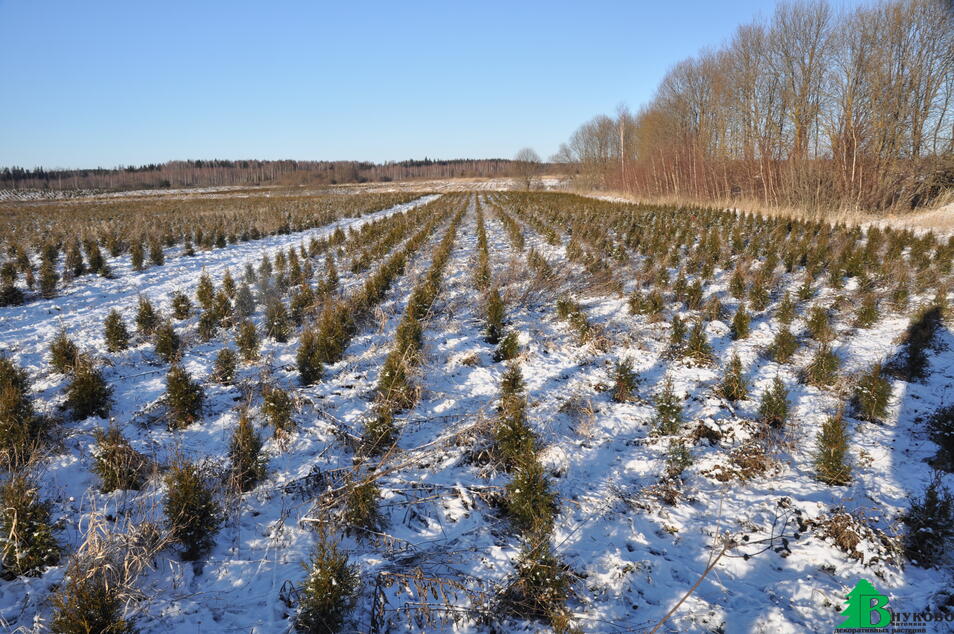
638,556
632,556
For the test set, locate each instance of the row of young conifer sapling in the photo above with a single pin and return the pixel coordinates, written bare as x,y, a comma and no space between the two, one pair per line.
541,583
91,598
331,587
330,591
70,244
867,394
128,469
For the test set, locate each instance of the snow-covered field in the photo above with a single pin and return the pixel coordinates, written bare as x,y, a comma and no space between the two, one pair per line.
35,194
631,554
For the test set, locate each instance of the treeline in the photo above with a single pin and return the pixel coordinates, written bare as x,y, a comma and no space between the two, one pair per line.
249,172
811,108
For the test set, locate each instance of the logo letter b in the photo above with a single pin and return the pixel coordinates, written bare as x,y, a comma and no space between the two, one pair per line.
876,606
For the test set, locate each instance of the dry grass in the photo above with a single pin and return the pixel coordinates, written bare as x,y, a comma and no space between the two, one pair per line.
124,551
939,219
745,463
579,408
848,532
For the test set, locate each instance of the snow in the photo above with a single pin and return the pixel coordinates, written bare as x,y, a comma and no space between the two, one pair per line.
633,556
23,195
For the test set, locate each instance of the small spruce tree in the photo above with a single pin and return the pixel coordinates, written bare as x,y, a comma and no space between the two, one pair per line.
668,409
181,305
146,317
786,310
361,505
329,283
97,263
330,591
28,545
245,452
137,255
734,387
636,303
277,324
541,587
222,307
820,372
805,292
192,515
513,439
244,301
21,430
225,362
759,295
783,346
228,284
302,304
115,332
308,358
565,307
872,394
508,348
741,323
819,326
494,316
831,466
88,394
901,296
511,382
697,345
74,263
246,339
156,256
379,430
867,314
929,525
694,295
10,295
205,291
184,397
277,408
89,600
677,334
208,324
167,342
624,380
528,498
63,353
678,459
48,279
773,409
737,284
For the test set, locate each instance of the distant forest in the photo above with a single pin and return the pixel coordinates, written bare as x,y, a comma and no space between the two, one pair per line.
213,173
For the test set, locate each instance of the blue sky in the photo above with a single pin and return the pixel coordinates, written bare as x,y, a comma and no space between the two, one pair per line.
103,83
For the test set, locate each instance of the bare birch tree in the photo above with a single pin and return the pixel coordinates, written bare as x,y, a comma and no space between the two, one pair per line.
527,166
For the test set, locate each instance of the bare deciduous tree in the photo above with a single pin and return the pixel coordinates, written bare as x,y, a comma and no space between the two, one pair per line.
528,166
811,108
